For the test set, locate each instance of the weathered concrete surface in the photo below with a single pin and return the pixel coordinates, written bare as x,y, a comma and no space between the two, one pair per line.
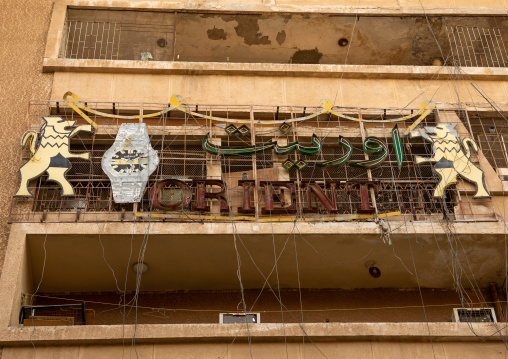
311,39
23,32
272,90
341,7
295,38
316,228
329,256
213,333
257,69
342,350
22,36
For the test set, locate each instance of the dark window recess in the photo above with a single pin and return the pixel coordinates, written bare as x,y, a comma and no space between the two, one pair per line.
73,313
475,315
239,318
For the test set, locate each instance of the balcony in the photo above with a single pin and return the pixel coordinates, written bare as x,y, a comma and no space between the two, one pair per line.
190,251
261,187
273,44
283,39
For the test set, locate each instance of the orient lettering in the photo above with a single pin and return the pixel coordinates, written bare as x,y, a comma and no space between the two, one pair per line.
364,194
202,194
270,196
275,191
329,203
246,207
184,202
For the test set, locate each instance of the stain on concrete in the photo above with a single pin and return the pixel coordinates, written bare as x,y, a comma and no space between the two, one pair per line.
228,18
248,28
423,44
281,37
306,57
216,34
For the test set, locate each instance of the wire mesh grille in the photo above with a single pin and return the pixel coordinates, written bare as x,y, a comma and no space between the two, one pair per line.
475,315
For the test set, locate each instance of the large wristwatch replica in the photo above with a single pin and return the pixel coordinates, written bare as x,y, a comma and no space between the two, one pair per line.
129,162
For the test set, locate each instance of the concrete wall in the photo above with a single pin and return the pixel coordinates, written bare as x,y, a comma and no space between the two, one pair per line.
343,350
274,90
23,35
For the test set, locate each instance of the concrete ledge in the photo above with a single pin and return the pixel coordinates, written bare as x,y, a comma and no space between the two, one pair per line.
261,69
387,7
468,229
207,333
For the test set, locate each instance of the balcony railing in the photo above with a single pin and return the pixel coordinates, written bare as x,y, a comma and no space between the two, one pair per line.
251,184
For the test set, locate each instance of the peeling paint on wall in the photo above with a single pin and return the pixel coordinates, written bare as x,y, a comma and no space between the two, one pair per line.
248,28
306,57
216,34
281,37
420,43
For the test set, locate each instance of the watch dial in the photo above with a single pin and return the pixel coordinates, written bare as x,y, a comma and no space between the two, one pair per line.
129,161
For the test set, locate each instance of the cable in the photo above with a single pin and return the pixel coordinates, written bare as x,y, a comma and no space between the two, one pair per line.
225,310
505,340
458,71
38,287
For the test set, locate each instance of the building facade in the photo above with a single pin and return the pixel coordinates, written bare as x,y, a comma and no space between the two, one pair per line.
254,179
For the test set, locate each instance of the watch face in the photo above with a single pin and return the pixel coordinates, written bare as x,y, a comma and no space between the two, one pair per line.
129,161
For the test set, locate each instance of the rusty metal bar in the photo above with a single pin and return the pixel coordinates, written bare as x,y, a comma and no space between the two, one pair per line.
497,303
174,37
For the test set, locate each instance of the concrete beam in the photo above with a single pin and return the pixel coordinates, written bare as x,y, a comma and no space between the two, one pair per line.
386,7
213,228
261,69
216,333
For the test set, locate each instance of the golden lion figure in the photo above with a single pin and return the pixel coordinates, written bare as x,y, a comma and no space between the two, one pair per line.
52,154
450,160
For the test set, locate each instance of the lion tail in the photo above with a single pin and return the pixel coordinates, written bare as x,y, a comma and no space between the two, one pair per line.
31,138
466,142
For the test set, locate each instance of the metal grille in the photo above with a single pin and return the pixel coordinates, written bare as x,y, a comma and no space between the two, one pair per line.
491,134
239,318
475,315
477,46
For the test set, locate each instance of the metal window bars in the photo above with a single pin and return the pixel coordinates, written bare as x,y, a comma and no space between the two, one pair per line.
119,35
92,40
477,46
